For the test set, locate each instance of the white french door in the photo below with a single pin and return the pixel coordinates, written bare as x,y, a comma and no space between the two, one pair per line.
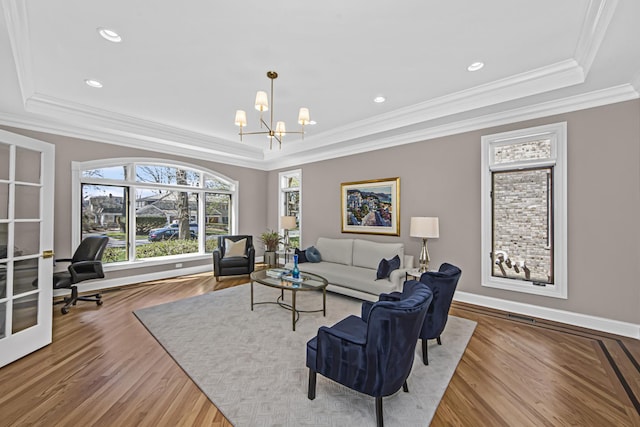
26,243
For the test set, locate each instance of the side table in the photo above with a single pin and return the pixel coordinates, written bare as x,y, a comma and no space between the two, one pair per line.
414,274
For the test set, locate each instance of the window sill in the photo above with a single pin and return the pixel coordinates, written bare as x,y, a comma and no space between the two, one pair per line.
152,262
521,286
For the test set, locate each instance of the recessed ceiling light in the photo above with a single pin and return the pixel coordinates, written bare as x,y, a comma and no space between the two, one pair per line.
379,99
110,35
312,122
93,83
475,66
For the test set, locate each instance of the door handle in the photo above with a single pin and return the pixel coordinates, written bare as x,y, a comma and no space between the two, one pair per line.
47,254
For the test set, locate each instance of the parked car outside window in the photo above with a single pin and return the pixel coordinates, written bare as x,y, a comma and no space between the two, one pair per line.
168,233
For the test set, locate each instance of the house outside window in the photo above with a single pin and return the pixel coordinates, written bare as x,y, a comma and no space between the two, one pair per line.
524,211
290,202
152,209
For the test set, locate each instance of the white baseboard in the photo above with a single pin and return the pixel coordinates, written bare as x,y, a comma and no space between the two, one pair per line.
577,319
96,285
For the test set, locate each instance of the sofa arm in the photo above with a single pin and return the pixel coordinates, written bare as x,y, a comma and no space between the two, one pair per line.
397,278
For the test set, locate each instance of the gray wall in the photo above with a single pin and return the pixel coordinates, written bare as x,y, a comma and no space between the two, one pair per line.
441,177
253,190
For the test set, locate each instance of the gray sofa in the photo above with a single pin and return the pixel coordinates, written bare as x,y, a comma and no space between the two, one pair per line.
350,266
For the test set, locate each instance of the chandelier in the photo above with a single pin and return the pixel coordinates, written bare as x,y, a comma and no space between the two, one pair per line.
262,105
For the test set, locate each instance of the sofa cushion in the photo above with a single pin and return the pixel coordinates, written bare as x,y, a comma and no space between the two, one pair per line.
368,254
348,276
386,266
338,251
313,255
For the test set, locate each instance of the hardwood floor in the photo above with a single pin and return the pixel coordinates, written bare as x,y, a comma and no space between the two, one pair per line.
104,369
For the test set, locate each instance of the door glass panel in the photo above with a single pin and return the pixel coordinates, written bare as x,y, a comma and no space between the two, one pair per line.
3,319
25,313
25,273
4,161
27,202
27,238
4,201
27,165
3,280
4,238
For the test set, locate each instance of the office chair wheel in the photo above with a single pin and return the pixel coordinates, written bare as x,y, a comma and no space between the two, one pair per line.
99,302
64,310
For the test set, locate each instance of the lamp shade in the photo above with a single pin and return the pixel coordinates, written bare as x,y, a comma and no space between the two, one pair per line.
288,222
241,118
262,104
424,227
303,116
281,130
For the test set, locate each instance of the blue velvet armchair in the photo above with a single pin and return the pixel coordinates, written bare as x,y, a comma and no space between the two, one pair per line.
443,285
372,354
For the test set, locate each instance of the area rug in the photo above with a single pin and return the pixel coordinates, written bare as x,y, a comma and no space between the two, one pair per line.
251,364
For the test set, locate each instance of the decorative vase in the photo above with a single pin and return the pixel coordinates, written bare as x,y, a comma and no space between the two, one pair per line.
270,258
295,273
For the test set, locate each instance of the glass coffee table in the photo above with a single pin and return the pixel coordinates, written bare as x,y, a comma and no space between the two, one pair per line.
309,282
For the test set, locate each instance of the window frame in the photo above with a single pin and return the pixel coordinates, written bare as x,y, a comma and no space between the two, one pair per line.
557,133
282,191
131,184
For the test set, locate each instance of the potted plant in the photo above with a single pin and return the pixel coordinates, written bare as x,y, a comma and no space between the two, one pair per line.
271,240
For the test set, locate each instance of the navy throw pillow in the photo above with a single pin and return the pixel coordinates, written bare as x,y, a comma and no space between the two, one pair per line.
313,255
387,266
383,270
302,256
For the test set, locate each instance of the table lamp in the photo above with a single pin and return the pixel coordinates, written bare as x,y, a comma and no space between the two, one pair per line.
288,223
425,228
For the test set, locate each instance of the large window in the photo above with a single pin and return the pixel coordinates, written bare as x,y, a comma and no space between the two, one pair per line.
153,209
524,210
290,202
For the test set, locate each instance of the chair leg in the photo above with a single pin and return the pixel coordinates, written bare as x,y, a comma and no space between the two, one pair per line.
69,301
379,419
311,394
405,387
425,356
439,342
97,298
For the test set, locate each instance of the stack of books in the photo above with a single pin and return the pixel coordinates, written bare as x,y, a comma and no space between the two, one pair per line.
290,278
277,273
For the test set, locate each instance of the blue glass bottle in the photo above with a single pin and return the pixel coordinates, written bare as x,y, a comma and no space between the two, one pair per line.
295,273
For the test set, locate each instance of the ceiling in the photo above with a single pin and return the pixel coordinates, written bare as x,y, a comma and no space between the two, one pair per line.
182,70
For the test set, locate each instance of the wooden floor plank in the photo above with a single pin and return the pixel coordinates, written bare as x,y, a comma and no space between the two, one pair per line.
105,369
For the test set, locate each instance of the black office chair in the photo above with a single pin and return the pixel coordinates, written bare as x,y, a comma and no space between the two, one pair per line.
226,263
86,264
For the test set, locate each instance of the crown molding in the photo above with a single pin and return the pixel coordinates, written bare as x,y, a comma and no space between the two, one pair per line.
131,140
594,28
635,82
545,79
574,103
60,116
15,15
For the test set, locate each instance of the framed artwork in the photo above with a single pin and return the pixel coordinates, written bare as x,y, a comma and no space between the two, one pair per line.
371,207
